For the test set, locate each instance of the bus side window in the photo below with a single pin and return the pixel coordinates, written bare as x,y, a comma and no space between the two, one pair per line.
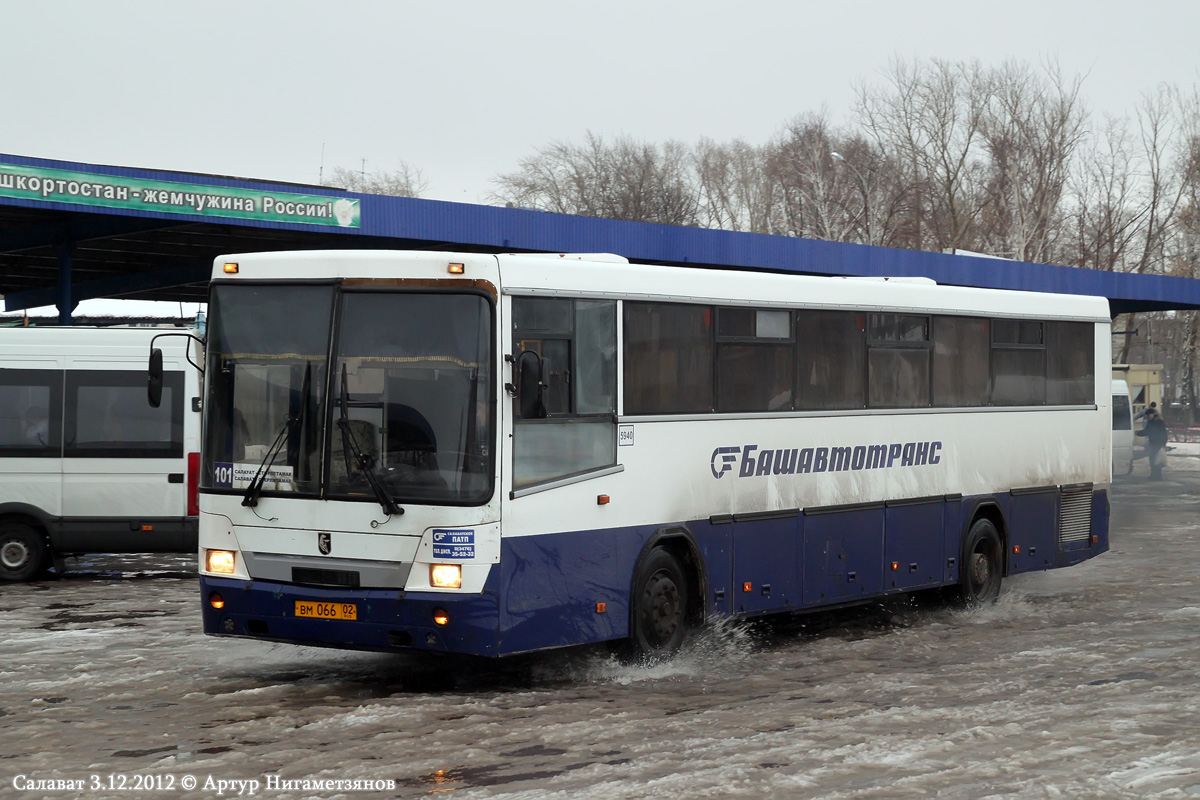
1070,363
107,416
961,362
831,360
31,412
577,342
898,360
755,360
1018,363
668,359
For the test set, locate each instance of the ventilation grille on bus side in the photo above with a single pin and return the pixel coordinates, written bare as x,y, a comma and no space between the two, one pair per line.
1075,514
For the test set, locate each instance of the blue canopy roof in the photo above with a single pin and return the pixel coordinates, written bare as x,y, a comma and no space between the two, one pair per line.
71,230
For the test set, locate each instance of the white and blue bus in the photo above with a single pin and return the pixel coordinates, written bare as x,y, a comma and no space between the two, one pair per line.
496,454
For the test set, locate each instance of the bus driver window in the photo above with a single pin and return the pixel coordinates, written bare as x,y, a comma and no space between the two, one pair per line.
576,341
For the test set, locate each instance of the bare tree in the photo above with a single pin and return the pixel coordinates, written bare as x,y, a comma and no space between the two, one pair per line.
561,178
625,180
1031,131
1184,247
1163,190
1158,120
404,181
1106,212
650,183
930,119
737,191
814,194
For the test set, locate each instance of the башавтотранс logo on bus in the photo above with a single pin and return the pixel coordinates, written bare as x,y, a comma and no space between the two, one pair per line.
797,461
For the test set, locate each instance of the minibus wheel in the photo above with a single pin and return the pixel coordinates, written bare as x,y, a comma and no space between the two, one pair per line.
982,565
660,613
22,551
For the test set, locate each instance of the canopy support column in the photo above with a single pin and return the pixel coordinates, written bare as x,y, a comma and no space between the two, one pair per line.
65,304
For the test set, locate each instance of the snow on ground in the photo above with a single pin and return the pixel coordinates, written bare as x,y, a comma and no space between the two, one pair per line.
1077,683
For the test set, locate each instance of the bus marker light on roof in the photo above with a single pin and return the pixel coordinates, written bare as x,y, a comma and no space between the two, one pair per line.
445,576
456,269
602,499
231,268
440,617
601,608
219,561
216,601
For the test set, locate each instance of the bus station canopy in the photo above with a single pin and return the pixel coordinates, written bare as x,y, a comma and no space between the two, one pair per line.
72,231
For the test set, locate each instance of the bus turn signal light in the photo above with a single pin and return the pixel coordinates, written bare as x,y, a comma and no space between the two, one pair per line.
440,617
216,601
219,561
445,576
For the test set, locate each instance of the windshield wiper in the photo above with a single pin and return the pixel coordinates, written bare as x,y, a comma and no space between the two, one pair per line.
303,472
256,483
362,460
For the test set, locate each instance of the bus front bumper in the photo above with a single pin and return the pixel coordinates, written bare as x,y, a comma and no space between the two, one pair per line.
387,620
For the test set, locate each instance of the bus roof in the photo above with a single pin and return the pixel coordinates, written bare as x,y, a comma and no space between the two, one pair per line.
604,275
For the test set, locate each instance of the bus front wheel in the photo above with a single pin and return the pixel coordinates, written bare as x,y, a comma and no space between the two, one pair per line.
660,613
22,551
983,565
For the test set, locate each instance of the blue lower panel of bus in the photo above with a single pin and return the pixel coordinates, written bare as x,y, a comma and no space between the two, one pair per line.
384,619
574,588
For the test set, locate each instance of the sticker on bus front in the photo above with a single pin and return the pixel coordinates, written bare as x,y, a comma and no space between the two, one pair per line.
453,544
238,476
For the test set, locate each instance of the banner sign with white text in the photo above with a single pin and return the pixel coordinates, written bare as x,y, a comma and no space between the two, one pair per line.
111,191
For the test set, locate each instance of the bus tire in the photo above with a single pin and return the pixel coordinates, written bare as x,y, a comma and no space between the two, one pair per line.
659,612
982,565
22,552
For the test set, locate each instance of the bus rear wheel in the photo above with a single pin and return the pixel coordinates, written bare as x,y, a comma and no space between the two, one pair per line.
22,552
983,565
660,614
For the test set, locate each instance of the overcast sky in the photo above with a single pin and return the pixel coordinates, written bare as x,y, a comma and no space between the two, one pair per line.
464,90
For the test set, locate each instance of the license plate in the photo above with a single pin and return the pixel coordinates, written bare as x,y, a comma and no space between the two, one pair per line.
308,608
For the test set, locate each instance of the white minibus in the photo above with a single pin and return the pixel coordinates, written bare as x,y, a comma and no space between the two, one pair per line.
86,465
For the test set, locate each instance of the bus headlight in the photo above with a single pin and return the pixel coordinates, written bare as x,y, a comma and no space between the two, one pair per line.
445,576
219,561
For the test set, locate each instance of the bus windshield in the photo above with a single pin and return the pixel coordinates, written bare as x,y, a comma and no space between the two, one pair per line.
406,405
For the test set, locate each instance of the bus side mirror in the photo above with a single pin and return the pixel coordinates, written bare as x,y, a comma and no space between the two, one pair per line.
154,384
530,386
